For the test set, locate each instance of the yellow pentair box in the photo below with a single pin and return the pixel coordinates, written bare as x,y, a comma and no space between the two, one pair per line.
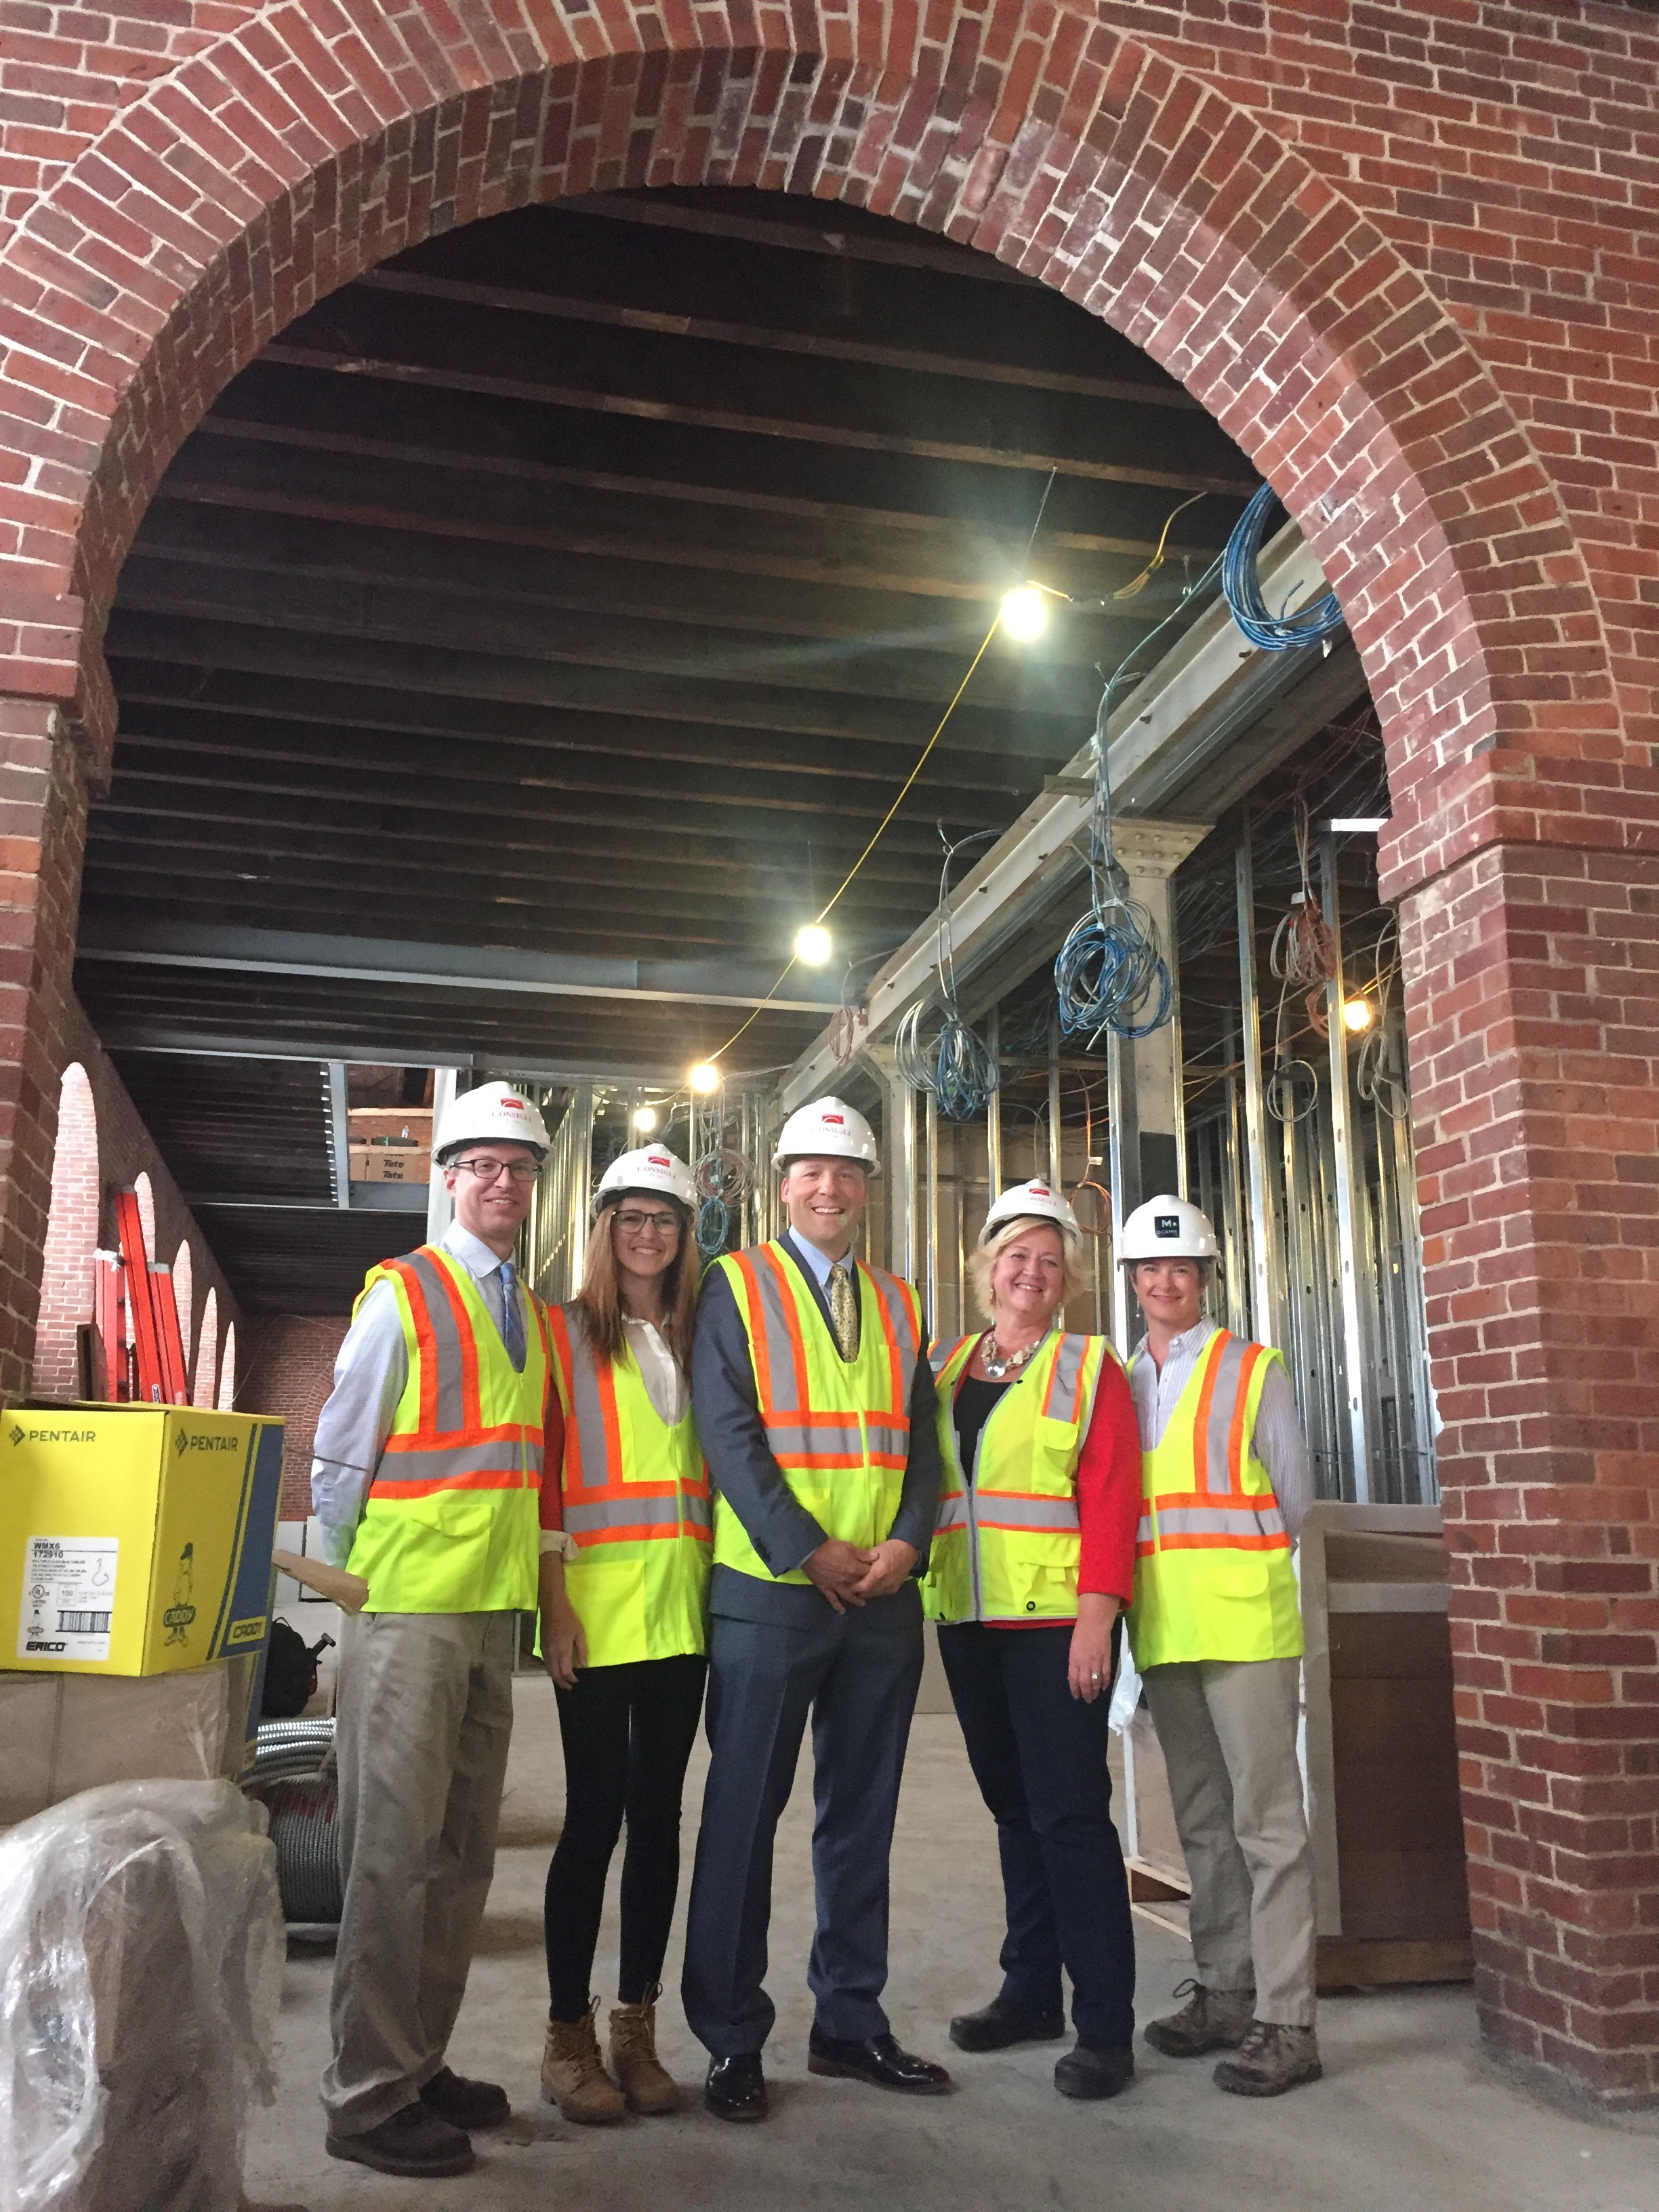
134,1538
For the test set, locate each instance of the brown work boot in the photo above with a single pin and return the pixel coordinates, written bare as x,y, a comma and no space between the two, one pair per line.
574,2076
1271,2059
1211,2020
647,2084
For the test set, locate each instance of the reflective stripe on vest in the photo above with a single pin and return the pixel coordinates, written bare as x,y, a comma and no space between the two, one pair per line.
634,1496
1007,1545
839,1430
1214,1572
449,1521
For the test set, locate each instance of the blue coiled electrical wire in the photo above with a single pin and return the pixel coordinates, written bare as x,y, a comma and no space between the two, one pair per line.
713,1227
1241,581
957,1066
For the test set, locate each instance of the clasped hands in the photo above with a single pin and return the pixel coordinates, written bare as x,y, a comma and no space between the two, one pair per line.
850,1574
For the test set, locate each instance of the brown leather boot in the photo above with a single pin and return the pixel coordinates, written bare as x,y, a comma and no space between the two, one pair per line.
574,2076
645,2083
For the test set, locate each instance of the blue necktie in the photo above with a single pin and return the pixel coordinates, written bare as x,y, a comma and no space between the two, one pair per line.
512,1319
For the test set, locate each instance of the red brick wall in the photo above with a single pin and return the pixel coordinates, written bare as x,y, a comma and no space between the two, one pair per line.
1405,254
66,1267
290,1366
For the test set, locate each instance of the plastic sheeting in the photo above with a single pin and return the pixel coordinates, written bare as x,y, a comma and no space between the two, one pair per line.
141,1963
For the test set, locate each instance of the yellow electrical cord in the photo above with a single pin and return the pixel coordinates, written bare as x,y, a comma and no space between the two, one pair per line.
1131,590
714,1058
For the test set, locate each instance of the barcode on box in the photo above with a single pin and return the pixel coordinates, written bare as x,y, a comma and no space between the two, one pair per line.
83,1623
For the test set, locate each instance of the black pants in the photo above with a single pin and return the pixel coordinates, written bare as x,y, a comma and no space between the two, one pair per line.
1039,1757
627,1734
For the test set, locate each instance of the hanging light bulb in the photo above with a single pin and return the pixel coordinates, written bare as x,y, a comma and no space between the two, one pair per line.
1358,1015
704,1077
645,1120
1025,614
814,945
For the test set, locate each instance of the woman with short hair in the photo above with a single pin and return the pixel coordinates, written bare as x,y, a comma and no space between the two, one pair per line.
1032,1562
626,1546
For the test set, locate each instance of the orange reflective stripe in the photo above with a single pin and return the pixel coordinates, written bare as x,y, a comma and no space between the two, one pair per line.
483,1478
471,1403
425,1340
759,1346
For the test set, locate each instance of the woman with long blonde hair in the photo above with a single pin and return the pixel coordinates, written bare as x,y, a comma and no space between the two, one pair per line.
626,1546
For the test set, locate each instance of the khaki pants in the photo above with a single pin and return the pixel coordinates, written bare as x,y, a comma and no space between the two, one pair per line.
425,1715
1228,1734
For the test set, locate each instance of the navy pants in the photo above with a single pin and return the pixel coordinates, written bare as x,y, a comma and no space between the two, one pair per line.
857,1673
1039,1757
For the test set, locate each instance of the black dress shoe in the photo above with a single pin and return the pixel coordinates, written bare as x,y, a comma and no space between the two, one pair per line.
878,2060
415,2143
998,2025
736,2087
1085,2073
465,2104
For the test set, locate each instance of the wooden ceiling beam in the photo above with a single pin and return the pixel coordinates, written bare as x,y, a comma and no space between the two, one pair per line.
837,436
420,671
764,338
898,666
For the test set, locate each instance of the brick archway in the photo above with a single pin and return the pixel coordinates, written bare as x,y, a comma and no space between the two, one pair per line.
284,156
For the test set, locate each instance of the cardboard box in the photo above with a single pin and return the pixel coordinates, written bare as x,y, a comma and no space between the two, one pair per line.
403,1125
134,1540
391,1163
67,1733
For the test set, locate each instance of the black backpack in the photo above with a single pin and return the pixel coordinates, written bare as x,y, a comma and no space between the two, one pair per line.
290,1673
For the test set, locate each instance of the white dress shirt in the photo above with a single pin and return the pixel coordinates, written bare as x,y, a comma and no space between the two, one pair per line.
369,1376
1278,1443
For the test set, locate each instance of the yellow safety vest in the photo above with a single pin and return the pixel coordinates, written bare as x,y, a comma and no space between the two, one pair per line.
451,1522
1007,1545
636,1499
1214,1577
838,1428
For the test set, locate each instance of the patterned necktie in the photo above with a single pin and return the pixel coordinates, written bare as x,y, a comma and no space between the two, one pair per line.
512,1319
843,1310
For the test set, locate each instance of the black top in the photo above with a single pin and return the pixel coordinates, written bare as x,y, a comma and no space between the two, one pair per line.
975,1403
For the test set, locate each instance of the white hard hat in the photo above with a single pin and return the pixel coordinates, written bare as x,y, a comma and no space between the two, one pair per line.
1032,1201
1166,1229
494,1113
827,1129
654,1168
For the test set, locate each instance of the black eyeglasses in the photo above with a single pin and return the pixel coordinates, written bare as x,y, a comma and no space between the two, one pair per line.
665,1225
520,1172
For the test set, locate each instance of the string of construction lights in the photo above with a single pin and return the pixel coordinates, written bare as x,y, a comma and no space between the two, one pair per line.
1110,974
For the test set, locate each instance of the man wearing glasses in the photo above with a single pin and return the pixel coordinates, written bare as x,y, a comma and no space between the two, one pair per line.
425,1482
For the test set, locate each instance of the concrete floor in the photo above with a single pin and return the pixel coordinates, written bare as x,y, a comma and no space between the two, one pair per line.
1410,2117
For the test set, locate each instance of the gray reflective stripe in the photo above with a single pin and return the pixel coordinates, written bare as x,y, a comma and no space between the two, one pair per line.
1239,1523
695,1511
586,1411
1224,1404
942,1354
768,1266
1060,1401
450,1413
834,1433
892,1297
952,1513
439,1462
622,1513
1002,1509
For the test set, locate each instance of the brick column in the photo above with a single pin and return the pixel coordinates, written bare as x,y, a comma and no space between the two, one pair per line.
1533,990
46,760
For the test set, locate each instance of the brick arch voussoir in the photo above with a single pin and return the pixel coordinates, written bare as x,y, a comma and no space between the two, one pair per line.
288,157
